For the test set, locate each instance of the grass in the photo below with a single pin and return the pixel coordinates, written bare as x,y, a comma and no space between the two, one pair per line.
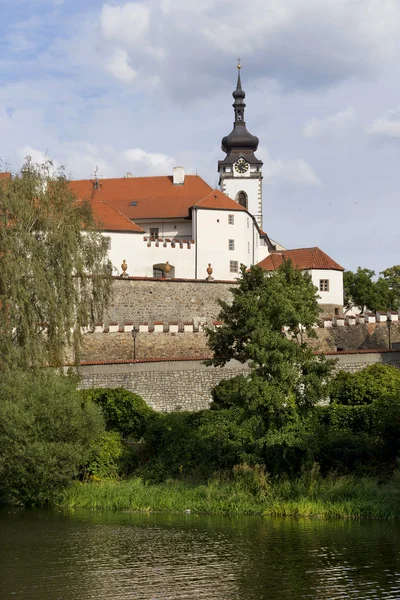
306,496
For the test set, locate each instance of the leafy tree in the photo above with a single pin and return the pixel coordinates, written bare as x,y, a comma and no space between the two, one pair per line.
362,291
391,277
266,326
46,435
54,276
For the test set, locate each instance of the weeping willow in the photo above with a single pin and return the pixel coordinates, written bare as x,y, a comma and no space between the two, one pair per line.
55,278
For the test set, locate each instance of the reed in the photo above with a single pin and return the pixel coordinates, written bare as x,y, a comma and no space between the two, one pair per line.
315,496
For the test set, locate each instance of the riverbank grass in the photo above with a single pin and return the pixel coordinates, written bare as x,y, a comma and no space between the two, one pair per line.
340,497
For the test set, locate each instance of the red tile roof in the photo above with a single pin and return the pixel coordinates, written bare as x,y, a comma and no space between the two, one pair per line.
302,258
218,200
155,197
110,219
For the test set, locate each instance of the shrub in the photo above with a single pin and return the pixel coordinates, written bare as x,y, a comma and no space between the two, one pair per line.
111,458
366,386
46,435
123,411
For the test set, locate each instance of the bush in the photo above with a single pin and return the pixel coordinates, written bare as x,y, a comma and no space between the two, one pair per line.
366,386
46,435
123,411
111,458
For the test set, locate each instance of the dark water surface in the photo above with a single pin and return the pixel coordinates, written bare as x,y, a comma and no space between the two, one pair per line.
82,555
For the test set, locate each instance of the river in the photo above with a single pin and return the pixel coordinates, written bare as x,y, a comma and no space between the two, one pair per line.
85,555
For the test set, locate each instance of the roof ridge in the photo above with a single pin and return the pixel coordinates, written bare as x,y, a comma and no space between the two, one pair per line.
137,177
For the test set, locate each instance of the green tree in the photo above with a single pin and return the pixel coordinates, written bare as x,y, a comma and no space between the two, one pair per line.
362,291
46,435
54,275
391,277
266,326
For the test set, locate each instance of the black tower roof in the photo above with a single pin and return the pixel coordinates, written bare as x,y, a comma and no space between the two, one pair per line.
239,142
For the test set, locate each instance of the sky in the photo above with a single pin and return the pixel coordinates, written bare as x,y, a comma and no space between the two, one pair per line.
145,86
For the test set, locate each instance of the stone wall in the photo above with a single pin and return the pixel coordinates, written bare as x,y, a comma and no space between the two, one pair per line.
371,336
107,345
165,386
186,385
148,300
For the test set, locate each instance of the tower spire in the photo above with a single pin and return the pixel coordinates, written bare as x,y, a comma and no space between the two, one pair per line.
240,142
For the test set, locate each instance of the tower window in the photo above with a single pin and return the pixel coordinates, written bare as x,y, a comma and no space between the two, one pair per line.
231,219
231,244
234,266
241,198
324,285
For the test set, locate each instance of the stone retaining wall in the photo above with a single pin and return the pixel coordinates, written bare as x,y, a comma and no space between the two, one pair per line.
165,386
186,385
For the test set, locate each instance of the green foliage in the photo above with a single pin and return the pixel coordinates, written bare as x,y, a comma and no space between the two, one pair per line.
111,459
54,277
362,291
249,492
123,411
391,277
366,386
252,332
46,435
287,379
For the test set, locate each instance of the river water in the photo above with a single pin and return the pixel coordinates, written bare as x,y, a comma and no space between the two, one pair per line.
85,555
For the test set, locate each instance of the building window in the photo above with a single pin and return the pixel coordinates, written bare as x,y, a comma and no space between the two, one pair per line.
241,198
234,266
231,244
154,233
108,243
248,247
248,222
231,219
324,285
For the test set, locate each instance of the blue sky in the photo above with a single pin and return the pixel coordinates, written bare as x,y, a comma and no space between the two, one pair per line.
144,86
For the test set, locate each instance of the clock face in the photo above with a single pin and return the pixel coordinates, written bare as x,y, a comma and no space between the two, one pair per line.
241,166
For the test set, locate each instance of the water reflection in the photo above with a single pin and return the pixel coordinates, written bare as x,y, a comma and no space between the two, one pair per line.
83,555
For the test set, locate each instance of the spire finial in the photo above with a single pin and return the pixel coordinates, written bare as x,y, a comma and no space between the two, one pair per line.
239,66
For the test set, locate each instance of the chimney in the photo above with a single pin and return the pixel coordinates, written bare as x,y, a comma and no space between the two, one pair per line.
178,175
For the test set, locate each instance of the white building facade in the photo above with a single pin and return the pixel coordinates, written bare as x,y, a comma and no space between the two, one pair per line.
179,227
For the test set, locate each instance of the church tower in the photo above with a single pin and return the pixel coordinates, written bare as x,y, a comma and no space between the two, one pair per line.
240,173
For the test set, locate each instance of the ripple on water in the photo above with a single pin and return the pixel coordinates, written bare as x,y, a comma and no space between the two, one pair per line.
83,555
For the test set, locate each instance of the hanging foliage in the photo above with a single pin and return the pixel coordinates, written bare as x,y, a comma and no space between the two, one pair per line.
55,278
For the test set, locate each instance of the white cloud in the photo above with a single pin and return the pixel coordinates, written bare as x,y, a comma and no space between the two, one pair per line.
334,126
81,160
118,65
386,127
299,44
124,24
289,172
146,163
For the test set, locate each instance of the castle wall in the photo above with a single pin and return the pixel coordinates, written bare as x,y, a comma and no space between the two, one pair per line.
143,300
186,385
172,314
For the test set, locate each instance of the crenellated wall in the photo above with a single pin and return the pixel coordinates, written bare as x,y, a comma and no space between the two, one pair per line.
171,315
